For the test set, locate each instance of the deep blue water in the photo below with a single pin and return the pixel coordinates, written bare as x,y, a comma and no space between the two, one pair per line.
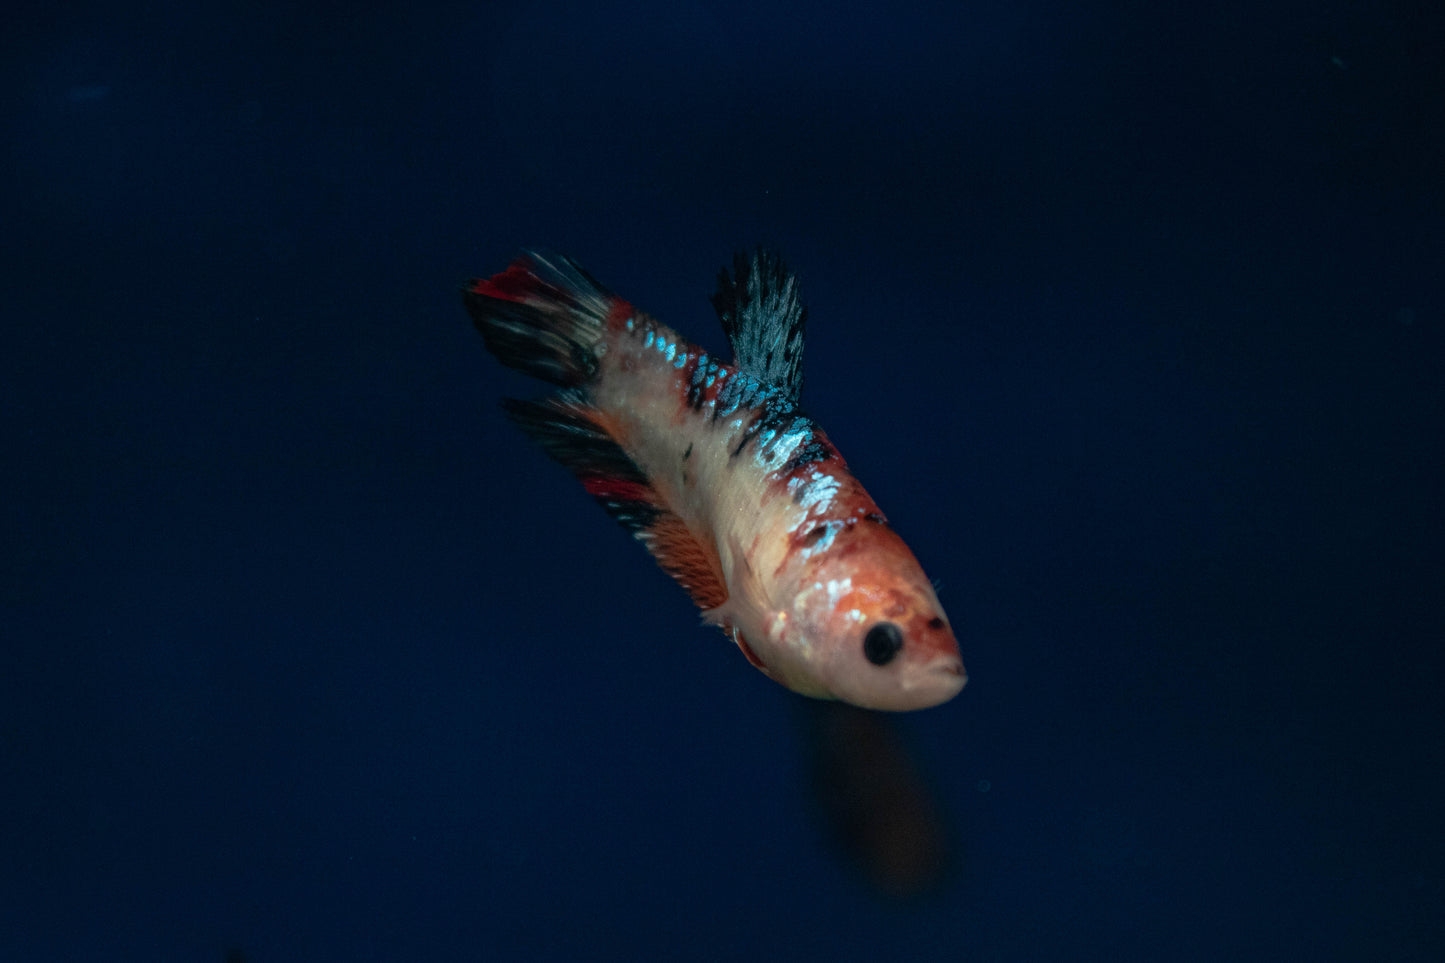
1131,316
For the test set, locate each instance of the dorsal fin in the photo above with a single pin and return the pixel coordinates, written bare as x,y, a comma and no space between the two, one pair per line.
764,320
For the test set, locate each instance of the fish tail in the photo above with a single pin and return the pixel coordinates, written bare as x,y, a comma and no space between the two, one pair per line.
544,316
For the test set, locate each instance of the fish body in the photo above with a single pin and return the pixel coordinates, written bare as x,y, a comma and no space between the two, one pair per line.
714,468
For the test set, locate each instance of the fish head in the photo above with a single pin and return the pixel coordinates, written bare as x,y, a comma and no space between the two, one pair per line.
868,626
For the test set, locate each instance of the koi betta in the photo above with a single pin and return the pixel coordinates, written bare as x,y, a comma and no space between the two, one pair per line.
737,494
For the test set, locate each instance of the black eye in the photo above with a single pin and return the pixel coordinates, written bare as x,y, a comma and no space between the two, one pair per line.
882,643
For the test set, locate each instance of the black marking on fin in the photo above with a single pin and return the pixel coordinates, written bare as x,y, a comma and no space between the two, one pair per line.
568,430
576,435
543,316
764,320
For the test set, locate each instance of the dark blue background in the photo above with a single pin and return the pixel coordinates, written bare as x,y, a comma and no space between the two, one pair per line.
1129,314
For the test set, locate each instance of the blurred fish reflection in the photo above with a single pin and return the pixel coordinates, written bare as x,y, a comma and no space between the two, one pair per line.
871,795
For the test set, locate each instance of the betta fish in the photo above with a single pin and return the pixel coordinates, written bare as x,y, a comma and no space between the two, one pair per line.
738,495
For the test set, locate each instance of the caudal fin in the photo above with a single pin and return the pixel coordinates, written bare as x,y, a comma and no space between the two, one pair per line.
547,317
543,316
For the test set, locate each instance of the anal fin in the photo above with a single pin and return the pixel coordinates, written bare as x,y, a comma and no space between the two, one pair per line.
582,439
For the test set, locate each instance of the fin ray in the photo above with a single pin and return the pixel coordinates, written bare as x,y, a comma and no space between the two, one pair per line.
764,320
543,316
581,438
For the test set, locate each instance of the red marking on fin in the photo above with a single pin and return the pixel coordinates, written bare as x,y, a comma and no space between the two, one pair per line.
619,489
584,440
518,282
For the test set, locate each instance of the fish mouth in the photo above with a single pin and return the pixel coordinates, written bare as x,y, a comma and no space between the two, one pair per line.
935,684
946,678
949,667
921,687
940,681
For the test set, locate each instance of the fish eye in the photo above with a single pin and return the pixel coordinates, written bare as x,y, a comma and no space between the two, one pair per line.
882,643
